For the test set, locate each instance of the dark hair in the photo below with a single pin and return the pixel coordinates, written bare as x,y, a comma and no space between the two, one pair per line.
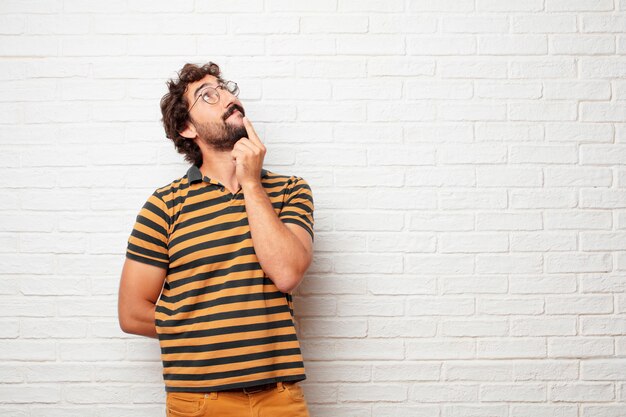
174,107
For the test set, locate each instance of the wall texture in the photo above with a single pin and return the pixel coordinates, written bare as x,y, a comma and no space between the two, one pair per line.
467,164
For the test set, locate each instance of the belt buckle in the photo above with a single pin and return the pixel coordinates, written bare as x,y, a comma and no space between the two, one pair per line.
258,388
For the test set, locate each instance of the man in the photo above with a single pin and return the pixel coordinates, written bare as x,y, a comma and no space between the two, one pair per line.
223,246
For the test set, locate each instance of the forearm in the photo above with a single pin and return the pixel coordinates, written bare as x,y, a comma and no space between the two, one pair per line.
279,251
140,319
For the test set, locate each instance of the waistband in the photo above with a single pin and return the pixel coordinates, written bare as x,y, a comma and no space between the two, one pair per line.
256,388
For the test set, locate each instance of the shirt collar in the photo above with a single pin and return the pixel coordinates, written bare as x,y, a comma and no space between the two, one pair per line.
194,174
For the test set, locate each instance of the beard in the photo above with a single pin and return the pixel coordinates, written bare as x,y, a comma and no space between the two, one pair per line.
221,136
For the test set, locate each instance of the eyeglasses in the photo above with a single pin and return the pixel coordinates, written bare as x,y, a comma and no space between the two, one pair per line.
212,96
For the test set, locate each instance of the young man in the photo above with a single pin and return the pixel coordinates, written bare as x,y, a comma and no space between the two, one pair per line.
223,246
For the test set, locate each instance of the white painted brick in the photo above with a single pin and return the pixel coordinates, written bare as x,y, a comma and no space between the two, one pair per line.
499,348
500,306
572,392
441,45
508,177
579,5
609,198
337,372
428,176
580,347
555,284
157,6
318,328
452,393
238,6
94,6
511,264
439,264
582,45
471,111
473,328
543,23
603,23
57,24
390,112
577,131
29,46
532,242
478,154
400,66
514,90
464,284
475,24
509,392
370,88
485,199
591,90
456,6
371,45
30,394
526,326
407,371
416,90
401,286
507,221
400,328
577,262
544,68
512,45
602,67
373,392
542,111
590,219
339,68
300,6
364,307
472,243
394,242
332,24
431,348
394,23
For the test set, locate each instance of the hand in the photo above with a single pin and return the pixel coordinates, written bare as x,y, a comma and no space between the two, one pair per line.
248,154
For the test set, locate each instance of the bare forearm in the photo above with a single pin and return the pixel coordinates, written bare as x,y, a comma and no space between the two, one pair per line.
279,251
140,320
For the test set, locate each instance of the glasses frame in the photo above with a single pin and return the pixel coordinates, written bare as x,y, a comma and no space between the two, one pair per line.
219,86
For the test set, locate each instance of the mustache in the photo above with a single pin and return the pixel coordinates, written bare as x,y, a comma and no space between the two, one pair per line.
230,111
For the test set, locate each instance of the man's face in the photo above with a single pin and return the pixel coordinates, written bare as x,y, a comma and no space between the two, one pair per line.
218,125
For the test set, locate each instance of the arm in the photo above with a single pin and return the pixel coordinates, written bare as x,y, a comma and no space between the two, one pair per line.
284,250
140,288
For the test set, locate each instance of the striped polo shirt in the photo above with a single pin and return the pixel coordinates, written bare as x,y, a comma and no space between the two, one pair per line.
221,321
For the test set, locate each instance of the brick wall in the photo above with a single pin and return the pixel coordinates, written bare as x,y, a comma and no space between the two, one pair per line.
467,163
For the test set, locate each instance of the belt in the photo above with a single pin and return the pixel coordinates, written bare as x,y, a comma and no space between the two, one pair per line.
255,388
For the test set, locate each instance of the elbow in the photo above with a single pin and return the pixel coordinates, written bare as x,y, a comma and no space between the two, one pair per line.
288,283
124,325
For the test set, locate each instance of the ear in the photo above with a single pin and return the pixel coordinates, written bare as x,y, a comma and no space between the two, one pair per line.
189,132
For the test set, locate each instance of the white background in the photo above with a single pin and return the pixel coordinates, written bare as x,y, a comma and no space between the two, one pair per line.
467,164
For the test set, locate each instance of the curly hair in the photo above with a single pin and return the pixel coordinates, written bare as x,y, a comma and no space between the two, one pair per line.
174,107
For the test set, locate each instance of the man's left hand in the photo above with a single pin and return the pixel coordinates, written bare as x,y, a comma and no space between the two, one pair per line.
248,154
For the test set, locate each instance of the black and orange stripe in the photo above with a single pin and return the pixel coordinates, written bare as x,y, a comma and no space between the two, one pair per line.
222,323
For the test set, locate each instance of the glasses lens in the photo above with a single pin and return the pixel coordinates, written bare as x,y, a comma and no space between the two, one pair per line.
232,87
210,95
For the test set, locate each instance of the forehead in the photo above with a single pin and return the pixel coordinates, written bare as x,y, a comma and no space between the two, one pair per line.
192,87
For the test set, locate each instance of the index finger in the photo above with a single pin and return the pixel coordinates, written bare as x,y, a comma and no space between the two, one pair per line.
251,132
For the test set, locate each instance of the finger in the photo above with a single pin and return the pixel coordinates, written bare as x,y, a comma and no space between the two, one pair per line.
252,135
246,146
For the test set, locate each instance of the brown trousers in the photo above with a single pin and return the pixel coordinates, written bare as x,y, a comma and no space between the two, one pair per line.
284,400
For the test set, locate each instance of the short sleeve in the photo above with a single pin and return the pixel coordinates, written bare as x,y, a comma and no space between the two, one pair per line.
148,240
298,207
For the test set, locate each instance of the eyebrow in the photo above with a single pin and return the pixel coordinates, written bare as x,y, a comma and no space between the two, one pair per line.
195,93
